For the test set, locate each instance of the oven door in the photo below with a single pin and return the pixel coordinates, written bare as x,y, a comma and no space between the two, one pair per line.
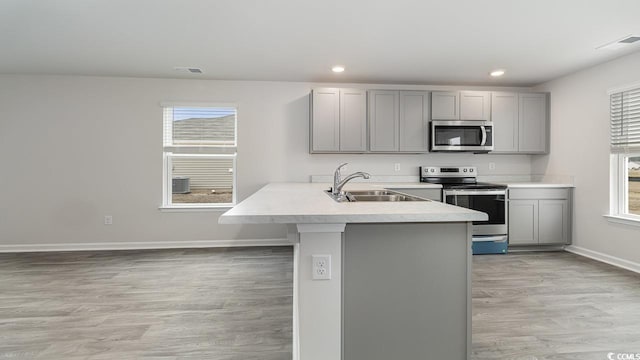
492,202
461,136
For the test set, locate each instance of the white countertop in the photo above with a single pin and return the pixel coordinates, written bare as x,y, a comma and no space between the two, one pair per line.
299,203
533,185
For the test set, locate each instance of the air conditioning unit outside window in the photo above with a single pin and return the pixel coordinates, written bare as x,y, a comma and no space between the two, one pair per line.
180,185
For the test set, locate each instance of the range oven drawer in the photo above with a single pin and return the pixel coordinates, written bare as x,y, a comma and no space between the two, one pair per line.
490,245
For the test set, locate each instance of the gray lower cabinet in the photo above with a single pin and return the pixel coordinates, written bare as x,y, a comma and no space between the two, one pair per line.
431,194
520,122
398,121
540,216
338,120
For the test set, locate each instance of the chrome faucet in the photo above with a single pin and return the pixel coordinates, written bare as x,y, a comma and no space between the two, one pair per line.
339,183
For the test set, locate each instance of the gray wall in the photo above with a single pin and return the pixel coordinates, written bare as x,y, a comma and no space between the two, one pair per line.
580,147
74,149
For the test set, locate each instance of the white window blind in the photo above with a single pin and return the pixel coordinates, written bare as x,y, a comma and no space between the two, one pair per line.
211,129
625,121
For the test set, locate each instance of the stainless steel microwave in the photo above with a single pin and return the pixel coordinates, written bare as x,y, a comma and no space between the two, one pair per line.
472,136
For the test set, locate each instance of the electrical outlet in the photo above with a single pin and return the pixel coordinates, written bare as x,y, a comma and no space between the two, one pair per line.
492,166
321,267
396,167
108,220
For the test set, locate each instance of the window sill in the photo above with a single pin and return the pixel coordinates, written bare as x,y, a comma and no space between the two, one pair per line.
220,208
621,219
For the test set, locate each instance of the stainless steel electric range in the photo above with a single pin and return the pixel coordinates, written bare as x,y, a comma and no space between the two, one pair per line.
461,188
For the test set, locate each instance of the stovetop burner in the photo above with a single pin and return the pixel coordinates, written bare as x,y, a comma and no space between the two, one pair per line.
462,177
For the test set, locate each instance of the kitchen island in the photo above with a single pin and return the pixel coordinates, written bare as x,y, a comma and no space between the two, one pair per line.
400,285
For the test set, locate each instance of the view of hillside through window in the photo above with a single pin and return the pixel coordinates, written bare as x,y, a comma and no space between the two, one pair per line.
633,166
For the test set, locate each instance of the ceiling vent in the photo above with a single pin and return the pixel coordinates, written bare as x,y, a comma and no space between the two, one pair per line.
629,40
620,43
193,70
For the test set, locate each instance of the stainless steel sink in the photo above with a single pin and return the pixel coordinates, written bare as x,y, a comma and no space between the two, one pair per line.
372,192
374,195
382,198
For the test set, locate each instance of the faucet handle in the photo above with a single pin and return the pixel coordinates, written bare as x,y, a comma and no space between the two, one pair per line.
336,174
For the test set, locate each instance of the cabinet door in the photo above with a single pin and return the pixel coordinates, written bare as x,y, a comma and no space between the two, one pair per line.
475,105
523,222
353,120
444,105
325,120
504,115
533,123
554,222
383,120
414,121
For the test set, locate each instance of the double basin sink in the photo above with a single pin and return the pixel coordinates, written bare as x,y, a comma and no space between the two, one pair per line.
374,195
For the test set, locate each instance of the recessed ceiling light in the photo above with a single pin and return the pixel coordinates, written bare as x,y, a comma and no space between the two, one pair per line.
496,73
337,69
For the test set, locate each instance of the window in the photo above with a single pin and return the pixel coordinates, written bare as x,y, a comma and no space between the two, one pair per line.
625,153
199,153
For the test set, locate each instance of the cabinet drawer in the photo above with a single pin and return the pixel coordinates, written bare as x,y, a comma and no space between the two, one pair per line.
539,193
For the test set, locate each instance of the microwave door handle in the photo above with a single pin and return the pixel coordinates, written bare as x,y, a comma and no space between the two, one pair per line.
484,135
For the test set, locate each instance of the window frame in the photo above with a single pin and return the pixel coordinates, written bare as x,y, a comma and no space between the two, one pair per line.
619,177
191,151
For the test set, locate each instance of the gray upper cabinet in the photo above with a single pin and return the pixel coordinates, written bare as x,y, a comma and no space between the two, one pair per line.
461,105
338,120
444,105
475,105
398,121
414,121
532,122
325,120
384,118
504,114
353,120
520,122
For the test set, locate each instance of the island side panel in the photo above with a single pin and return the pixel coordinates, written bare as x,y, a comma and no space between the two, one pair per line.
319,301
406,291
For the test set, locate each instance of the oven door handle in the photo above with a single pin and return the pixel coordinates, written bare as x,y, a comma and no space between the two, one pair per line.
484,135
499,238
474,192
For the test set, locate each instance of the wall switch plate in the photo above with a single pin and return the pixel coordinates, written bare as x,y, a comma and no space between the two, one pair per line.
396,167
108,220
321,267
492,166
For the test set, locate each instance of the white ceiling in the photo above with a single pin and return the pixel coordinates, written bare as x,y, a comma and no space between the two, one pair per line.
392,41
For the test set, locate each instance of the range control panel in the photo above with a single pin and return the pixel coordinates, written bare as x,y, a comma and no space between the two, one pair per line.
441,171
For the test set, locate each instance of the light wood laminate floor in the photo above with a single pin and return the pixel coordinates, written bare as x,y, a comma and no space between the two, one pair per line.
553,305
236,303
222,304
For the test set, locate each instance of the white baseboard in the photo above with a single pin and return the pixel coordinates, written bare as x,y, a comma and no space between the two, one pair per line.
140,245
611,260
